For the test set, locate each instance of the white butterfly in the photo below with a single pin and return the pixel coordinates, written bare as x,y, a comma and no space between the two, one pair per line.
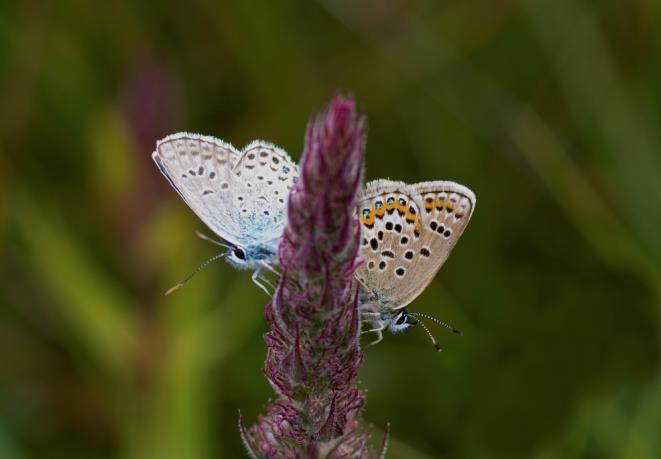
240,196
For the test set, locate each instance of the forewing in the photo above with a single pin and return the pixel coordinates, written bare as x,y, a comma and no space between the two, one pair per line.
199,168
408,231
264,175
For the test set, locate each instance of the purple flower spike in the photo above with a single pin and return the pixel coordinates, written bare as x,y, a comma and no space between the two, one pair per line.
313,346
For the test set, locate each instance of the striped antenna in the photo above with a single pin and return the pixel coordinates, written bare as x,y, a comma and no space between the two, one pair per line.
197,270
440,322
431,337
204,237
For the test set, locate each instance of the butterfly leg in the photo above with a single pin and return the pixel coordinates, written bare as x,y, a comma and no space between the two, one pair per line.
270,268
256,279
378,329
370,314
264,278
367,316
266,281
379,338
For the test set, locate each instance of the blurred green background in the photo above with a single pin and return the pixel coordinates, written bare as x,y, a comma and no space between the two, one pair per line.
548,110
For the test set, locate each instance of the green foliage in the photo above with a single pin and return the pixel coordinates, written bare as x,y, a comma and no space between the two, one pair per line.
546,109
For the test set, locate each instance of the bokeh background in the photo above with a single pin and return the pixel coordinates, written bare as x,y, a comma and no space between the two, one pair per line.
548,109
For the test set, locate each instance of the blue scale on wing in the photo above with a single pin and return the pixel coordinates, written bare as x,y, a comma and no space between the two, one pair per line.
264,175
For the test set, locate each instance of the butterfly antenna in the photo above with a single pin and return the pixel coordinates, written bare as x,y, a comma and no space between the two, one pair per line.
456,331
197,270
431,337
204,237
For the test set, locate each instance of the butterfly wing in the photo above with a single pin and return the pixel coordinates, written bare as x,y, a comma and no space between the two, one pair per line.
408,231
199,168
264,176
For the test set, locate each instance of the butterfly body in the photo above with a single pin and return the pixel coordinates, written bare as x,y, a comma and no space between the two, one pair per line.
240,195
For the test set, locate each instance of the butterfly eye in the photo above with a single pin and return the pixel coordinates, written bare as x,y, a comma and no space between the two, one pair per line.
378,205
366,213
402,201
401,319
390,200
239,253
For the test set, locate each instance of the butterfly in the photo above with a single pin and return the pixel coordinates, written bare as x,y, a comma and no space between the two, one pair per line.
408,231
240,196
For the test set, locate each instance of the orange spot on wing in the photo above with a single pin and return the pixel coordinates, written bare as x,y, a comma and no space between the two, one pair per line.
410,217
